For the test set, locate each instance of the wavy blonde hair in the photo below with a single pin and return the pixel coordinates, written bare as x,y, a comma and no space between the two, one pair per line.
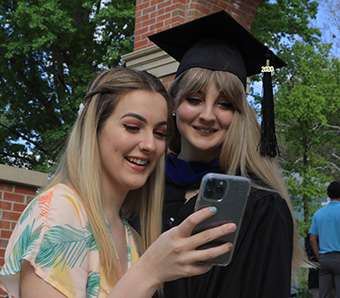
80,165
239,153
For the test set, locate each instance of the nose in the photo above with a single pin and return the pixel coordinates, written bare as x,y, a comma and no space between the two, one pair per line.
207,113
148,142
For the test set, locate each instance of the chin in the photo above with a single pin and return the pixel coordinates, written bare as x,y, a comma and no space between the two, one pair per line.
204,148
137,184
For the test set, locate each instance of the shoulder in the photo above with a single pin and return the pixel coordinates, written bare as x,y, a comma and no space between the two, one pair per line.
330,208
54,236
56,205
269,202
66,203
258,196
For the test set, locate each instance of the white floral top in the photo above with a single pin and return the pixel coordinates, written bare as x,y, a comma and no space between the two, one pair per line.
54,235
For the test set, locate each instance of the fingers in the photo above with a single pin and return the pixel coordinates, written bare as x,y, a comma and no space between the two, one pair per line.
193,241
212,234
186,227
174,253
198,269
211,253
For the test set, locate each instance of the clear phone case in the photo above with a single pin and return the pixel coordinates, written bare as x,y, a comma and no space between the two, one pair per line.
229,195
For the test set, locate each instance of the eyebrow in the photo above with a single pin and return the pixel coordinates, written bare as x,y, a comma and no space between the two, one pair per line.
141,118
203,93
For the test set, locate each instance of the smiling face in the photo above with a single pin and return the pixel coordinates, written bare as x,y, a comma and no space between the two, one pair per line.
132,140
203,120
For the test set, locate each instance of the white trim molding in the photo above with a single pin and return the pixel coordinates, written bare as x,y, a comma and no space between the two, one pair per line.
14,175
153,60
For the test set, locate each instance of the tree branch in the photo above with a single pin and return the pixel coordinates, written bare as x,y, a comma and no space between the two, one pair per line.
13,131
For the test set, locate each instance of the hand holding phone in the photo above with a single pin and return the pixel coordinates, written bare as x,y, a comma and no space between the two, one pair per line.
229,195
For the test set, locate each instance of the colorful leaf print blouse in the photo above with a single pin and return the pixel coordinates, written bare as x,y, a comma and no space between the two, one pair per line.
54,235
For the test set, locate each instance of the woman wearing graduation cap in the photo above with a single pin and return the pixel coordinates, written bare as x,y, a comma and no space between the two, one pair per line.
217,131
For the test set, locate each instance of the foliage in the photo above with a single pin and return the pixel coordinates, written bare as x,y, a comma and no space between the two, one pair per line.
307,106
307,109
283,21
49,51
306,101
301,286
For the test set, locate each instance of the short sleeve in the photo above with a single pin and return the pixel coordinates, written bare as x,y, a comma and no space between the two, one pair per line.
54,236
314,227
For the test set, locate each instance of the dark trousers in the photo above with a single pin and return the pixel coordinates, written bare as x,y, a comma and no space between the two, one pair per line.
329,275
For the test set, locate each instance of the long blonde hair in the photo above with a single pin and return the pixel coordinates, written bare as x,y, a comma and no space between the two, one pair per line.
239,153
80,165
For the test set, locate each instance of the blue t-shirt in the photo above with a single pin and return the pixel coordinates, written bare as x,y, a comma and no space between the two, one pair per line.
326,225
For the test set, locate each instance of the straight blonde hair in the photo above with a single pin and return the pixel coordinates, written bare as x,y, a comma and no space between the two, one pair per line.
80,165
239,153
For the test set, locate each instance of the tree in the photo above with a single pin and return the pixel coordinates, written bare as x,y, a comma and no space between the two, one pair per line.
307,105
307,113
308,129
306,101
49,51
284,21
279,23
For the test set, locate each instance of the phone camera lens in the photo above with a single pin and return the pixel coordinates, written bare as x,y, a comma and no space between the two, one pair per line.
211,183
209,193
219,189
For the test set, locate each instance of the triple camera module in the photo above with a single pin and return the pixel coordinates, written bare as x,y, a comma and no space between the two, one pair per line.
214,189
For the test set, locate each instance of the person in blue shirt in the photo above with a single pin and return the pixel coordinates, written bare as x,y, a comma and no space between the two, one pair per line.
325,241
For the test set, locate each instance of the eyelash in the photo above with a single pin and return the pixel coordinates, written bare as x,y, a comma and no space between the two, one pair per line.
226,105
161,134
196,101
131,128
193,100
135,129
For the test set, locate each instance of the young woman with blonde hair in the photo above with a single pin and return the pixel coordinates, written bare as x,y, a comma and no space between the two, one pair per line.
73,239
218,131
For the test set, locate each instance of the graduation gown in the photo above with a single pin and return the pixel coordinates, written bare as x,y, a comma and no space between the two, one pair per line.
261,264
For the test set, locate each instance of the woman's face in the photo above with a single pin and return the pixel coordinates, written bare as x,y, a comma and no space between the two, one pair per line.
203,120
132,140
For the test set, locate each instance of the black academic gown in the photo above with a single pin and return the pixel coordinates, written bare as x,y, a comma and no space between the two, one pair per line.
261,264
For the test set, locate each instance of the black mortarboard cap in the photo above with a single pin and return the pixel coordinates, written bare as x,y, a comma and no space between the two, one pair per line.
219,42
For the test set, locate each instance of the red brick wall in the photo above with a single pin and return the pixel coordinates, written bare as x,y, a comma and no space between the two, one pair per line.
13,200
157,15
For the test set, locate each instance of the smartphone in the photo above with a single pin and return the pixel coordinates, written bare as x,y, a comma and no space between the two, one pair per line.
229,195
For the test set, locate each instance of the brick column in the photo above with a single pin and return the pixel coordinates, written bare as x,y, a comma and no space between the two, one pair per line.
17,188
153,16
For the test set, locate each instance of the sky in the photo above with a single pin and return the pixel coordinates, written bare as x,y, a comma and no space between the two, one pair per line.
328,20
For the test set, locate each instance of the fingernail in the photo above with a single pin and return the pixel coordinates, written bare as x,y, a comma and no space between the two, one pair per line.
232,227
213,209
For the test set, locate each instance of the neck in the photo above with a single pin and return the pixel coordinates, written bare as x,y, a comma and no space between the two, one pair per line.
190,153
204,156
113,200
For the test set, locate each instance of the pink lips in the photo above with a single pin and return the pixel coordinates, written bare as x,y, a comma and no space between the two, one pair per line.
137,163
